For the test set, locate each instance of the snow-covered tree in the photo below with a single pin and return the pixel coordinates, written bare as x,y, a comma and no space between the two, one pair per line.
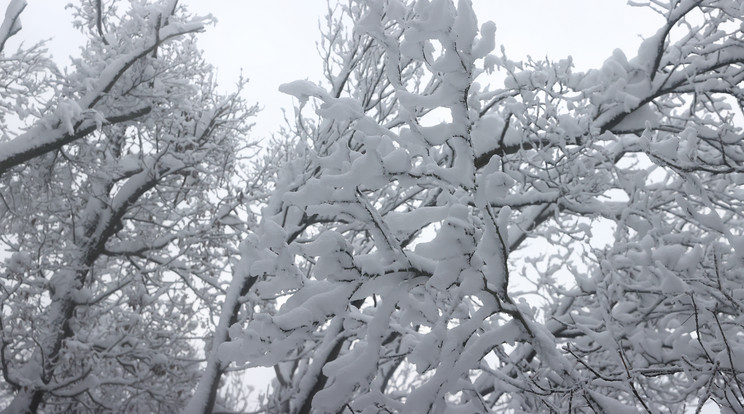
459,232
119,213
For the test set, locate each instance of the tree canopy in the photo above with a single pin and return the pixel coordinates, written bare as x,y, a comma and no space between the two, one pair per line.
117,209
439,228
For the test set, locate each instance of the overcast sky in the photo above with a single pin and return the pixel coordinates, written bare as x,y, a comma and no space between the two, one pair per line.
273,41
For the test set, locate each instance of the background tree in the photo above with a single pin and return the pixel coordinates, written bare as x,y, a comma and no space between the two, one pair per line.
400,266
119,209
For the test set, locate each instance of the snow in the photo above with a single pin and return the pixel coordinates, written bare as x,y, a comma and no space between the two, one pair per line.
62,284
691,259
497,185
11,22
18,262
672,284
487,41
314,303
733,355
436,135
639,119
113,70
465,26
303,90
342,109
666,149
416,219
68,112
397,162
611,405
486,132
688,143
647,52
435,18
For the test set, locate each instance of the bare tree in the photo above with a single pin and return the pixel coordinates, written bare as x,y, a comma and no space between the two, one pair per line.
433,246
120,210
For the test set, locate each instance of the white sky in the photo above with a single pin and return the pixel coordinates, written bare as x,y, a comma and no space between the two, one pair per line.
273,41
